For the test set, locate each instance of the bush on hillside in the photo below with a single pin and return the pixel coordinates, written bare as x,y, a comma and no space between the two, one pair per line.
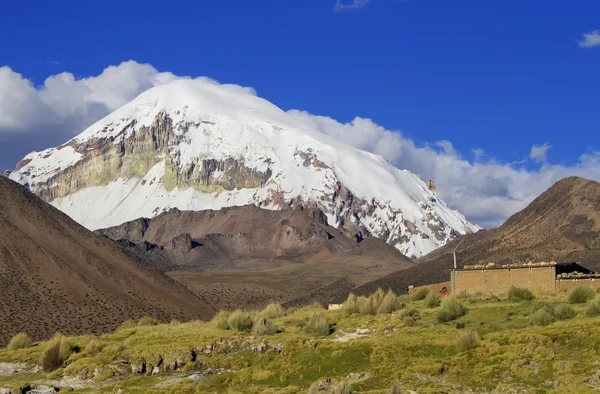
409,321
240,321
409,312
389,303
564,312
264,326
147,321
174,322
593,310
273,311
518,294
543,305
432,300
450,309
20,341
420,294
581,295
317,325
468,340
541,318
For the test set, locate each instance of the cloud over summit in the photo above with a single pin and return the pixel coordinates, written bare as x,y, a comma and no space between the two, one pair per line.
487,191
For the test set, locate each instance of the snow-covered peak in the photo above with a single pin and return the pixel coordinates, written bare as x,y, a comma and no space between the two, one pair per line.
194,144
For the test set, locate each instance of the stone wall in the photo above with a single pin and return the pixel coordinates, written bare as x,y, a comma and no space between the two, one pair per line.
566,285
435,288
498,281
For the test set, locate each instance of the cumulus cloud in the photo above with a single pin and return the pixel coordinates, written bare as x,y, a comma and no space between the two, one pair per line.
486,191
539,153
36,117
590,40
352,5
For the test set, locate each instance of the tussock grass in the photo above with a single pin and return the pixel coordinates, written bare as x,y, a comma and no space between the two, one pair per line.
351,304
564,312
20,341
317,325
541,317
264,326
240,321
388,304
518,294
57,351
273,311
450,309
468,340
421,294
221,320
432,300
127,324
593,309
147,321
581,295
174,322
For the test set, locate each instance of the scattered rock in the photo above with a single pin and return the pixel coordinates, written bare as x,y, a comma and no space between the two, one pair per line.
155,371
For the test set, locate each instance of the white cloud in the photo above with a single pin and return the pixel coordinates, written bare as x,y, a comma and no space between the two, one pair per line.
590,40
539,153
485,190
352,5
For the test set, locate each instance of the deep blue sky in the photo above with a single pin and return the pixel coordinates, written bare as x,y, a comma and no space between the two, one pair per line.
500,75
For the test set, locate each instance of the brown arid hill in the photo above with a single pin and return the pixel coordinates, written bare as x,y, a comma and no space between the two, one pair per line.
247,256
57,276
562,224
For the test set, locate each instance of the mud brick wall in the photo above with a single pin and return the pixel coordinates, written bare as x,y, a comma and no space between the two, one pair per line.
498,281
435,288
566,285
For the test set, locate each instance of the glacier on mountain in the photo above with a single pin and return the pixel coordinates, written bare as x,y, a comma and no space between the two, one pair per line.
194,144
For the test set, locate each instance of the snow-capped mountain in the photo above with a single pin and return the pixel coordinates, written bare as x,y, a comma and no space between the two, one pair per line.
194,145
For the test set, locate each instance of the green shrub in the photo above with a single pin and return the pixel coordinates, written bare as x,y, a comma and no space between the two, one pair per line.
409,321
317,325
240,321
57,351
463,295
468,340
593,309
581,295
147,321
20,341
273,311
264,326
127,324
450,309
432,300
564,312
174,322
221,320
541,318
421,294
518,294
388,304
351,304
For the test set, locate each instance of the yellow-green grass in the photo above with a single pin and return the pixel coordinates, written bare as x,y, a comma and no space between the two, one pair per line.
562,357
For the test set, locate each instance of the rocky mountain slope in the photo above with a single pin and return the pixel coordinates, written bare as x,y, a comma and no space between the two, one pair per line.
562,224
56,275
247,256
195,145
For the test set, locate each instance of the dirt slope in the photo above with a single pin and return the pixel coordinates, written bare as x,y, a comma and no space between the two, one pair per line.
57,276
248,256
562,224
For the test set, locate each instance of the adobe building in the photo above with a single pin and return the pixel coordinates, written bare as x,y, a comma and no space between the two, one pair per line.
547,277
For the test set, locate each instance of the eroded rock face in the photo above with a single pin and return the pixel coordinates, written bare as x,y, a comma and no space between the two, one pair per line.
170,158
